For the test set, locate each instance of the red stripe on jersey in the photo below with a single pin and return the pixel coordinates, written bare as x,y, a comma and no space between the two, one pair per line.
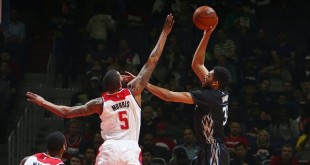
118,96
46,159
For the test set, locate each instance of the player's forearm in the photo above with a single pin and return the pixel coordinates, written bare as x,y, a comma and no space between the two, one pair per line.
199,56
158,49
58,110
159,92
152,61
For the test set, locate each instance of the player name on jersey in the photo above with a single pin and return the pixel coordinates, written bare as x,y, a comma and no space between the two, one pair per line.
124,104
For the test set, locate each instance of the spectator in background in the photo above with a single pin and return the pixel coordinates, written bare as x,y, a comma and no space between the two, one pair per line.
14,38
7,76
235,136
74,139
262,149
189,144
236,111
247,95
95,86
89,155
303,70
265,98
148,121
287,89
224,46
147,156
99,54
276,73
249,71
243,156
12,64
304,117
97,140
161,72
179,157
174,54
285,50
283,102
305,86
8,93
162,138
176,125
67,38
125,50
125,58
82,95
303,144
75,160
240,19
10,83
255,121
286,156
285,129
98,28
157,151
259,48
161,7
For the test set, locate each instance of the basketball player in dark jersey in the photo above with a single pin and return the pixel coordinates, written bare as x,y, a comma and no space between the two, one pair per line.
211,102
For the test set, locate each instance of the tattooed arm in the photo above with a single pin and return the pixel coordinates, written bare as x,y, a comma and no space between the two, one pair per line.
139,83
91,107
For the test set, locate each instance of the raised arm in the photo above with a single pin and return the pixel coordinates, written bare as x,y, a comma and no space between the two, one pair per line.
199,57
91,107
139,83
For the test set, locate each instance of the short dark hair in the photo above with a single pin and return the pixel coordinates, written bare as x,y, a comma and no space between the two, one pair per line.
240,144
111,80
222,75
55,142
147,149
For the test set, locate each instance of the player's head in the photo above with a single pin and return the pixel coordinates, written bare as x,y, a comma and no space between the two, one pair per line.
112,81
56,143
222,76
218,78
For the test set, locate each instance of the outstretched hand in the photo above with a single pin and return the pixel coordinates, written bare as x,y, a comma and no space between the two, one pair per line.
208,31
128,77
37,99
168,24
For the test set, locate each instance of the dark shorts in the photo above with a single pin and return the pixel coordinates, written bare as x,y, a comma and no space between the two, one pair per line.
214,154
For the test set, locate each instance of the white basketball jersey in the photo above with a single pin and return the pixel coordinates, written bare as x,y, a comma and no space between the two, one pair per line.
121,116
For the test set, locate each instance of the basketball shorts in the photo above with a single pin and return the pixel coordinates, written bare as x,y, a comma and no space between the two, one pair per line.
119,152
213,154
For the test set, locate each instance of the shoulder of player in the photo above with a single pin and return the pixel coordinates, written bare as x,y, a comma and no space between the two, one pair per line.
96,101
22,162
95,104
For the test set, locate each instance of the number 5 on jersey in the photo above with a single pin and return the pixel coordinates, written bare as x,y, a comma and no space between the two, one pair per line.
122,115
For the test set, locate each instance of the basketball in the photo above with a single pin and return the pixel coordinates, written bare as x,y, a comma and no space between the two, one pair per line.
204,17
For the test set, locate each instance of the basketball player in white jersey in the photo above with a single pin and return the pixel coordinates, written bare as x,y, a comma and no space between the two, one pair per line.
56,146
118,108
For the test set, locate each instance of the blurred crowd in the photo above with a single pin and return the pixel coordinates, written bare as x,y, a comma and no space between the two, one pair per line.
263,43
